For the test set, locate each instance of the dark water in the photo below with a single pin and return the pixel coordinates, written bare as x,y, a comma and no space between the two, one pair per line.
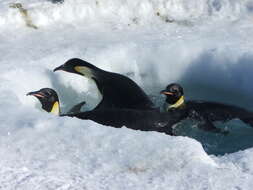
240,136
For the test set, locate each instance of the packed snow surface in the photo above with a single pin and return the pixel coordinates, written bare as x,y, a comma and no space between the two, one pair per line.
206,45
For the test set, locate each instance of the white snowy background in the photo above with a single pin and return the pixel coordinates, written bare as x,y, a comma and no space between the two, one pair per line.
206,45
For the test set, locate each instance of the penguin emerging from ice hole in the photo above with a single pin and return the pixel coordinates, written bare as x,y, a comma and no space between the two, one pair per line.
118,91
145,120
50,102
204,112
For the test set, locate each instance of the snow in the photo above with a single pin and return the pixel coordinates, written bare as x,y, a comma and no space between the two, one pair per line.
207,48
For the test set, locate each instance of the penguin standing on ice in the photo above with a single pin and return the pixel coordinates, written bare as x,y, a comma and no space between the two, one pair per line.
118,91
204,112
144,120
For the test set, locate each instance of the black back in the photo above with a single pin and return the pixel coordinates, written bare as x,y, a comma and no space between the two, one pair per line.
120,91
216,111
145,120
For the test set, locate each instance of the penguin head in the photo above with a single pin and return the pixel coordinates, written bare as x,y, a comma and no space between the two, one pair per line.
174,92
78,66
48,99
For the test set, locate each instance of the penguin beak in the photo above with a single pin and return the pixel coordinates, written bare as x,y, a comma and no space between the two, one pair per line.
36,94
166,93
59,68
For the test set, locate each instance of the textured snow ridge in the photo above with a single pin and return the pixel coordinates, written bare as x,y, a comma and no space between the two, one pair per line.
128,12
52,153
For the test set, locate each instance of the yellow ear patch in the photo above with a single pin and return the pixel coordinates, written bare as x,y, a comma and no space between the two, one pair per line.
56,108
84,70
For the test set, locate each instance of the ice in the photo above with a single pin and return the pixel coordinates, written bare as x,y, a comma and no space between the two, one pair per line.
204,45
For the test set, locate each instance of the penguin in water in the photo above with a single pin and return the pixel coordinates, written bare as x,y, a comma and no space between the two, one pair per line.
118,91
144,120
204,112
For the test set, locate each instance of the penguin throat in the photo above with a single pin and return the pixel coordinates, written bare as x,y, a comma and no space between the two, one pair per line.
85,71
179,103
55,108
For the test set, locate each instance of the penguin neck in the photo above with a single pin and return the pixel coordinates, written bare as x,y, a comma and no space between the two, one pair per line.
89,71
94,73
180,102
55,108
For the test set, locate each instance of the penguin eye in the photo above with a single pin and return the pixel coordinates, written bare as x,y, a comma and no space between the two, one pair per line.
173,90
47,93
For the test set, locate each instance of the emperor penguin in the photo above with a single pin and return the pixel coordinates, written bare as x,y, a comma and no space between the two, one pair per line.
118,91
203,111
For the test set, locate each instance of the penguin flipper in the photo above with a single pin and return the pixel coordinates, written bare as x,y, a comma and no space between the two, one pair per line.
209,126
76,108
